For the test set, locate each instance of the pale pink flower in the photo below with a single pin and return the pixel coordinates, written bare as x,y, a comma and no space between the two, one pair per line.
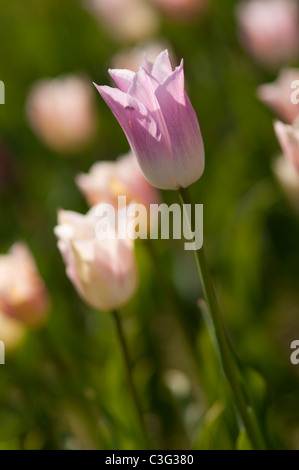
269,30
104,272
23,294
281,96
62,113
288,137
126,20
108,180
159,121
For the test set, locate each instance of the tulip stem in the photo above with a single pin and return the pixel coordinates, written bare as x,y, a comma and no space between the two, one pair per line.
227,357
127,361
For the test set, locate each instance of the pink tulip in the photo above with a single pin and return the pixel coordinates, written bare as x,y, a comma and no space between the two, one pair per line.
159,121
22,292
103,271
288,137
108,180
281,96
126,20
62,112
269,30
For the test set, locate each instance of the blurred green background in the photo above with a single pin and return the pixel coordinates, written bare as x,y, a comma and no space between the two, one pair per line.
64,387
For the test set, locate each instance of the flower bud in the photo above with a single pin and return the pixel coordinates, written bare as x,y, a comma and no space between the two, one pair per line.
126,20
282,96
103,271
22,292
159,122
269,30
106,181
62,112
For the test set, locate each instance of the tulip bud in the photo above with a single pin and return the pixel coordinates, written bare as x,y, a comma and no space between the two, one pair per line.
22,292
62,112
127,20
282,96
106,181
159,121
269,30
104,272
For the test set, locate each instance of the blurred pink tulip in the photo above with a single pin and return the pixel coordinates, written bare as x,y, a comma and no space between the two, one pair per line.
288,137
181,9
62,112
269,30
108,180
22,292
104,272
280,95
127,20
159,121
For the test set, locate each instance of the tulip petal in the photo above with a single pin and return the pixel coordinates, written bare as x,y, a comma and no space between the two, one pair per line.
147,65
143,88
162,66
183,128
122,77
146,139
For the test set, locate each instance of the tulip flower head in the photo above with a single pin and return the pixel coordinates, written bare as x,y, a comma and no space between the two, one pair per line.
103,271
159,121
62,112
269,30
282,96
22,292
126,20
108,180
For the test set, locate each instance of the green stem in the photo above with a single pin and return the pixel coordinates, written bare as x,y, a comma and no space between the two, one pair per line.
126,357
229,365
